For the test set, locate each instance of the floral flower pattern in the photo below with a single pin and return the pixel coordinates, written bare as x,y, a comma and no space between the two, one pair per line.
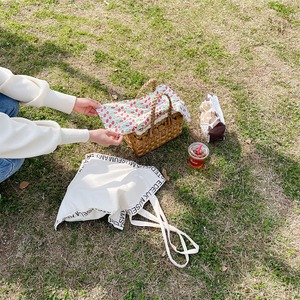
134,115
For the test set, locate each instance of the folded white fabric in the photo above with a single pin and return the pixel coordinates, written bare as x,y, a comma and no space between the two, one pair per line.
108,185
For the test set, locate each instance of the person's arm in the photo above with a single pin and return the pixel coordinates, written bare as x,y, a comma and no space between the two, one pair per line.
22,138
34,92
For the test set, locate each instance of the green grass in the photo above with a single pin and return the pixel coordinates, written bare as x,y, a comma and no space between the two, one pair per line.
283,10
242,208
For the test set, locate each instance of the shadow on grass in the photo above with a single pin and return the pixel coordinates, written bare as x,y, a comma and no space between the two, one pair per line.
227,211
231,219
24,55
224,212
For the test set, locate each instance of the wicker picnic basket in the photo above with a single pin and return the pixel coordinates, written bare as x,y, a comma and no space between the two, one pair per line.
160,132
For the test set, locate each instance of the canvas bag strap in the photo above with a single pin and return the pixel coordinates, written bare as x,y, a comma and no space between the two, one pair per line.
160,221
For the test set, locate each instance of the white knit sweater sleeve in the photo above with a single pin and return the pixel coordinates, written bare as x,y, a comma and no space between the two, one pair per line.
22,138
34,92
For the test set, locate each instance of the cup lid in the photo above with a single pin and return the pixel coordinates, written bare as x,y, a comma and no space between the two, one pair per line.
193,150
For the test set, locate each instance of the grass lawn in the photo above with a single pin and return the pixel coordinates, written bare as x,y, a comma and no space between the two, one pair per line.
242,208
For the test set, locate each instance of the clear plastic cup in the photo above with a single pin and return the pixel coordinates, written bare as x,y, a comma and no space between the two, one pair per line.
197,160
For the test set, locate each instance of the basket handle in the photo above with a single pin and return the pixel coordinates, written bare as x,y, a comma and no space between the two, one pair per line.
149,82
153,107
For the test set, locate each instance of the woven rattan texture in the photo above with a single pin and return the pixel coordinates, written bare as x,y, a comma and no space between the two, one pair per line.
161,133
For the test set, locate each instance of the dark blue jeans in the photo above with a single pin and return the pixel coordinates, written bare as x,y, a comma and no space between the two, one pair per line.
9,166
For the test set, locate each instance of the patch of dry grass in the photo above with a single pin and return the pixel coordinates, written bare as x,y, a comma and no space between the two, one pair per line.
242,209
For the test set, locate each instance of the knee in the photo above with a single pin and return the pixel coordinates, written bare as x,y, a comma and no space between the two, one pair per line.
8,167
9,106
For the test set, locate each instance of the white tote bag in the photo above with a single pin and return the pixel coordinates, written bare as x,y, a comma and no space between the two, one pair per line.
108,185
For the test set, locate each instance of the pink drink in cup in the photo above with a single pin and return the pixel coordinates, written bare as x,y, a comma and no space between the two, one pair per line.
198,152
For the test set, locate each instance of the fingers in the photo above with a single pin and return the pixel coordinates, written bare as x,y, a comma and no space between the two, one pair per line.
94,103
86,106
92,112
115,137
118,140
105,137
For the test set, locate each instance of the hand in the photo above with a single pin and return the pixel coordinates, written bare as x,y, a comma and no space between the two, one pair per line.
105,137
86,106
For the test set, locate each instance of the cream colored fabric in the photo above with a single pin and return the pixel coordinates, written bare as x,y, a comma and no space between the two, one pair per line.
34,92
108,185
22,138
